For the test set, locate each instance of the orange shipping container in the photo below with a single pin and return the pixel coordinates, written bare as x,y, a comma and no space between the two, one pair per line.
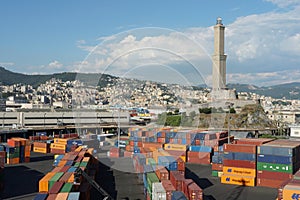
238,180
40,150
291,192
43,183
58,146
239,171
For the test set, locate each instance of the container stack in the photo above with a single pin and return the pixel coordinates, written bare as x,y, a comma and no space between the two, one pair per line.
17,150
199,154
239,164
217,163
277,161
41,147
59,183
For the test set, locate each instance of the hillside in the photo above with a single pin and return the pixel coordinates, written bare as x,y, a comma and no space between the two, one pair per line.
287,90
9,78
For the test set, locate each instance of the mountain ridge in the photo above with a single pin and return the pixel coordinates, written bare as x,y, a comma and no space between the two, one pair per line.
7,77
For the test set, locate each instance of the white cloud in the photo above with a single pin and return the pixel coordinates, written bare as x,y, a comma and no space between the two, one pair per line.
6,64
284,3
265,78
55,65
254,44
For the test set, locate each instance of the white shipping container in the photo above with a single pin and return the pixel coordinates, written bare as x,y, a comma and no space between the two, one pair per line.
158,191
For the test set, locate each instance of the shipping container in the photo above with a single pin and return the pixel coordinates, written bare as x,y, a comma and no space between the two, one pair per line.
200,149
242,148
73,196
275,167
169,188
41,196
239,156
44,182
274,175
276,159
239,171
238,180
158,191
239,163
272,183
178,195
177,179
55,188
62,196
195,192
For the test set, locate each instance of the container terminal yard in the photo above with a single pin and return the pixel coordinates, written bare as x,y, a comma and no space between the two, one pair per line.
149,163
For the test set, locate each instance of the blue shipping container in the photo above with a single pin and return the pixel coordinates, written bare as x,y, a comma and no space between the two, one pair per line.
178,195
200,149
73,196
275,159
276,150
41,196
239,156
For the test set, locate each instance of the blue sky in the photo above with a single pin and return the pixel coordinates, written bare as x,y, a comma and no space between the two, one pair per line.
262,39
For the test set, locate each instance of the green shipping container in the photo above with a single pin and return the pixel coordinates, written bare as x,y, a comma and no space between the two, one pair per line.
151,161
67,187
54,179
151,178
83,164
274,167
77,164
214,173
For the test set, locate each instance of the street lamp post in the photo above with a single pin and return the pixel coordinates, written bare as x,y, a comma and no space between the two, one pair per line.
62,118
229,118
119,127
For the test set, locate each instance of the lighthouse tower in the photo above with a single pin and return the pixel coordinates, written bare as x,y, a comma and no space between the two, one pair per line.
219,57
219,90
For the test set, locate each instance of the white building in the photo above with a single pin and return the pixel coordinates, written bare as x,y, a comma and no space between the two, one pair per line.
295,130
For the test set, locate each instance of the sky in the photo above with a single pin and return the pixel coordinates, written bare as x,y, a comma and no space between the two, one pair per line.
166,41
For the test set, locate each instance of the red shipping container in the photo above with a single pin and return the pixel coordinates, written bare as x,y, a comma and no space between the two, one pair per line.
13,143
269,182
65,168
56,187
195,192
216,167
198,154
185,185
161,140
177,179
222,134
65,177
168,186
254,141
204,161
274,175
240,163
57,151
162,173
51,196
243,148
155,145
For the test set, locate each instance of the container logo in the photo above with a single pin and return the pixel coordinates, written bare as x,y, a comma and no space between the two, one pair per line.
229,170
296,196
227,179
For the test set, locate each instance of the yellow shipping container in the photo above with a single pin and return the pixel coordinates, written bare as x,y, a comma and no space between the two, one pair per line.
183,158
239,171
238,180
85,159
40,150
176,147
291,192
61,140
58,146
43,183
78,149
